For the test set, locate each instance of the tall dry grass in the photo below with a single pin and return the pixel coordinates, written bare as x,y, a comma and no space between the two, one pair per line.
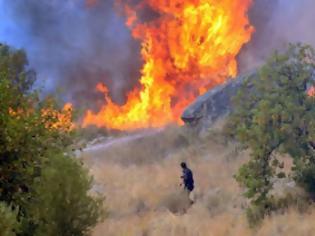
140,177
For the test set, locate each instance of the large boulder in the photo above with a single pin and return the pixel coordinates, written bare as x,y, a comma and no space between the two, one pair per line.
213,105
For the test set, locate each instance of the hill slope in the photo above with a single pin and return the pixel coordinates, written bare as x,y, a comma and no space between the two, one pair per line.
139,175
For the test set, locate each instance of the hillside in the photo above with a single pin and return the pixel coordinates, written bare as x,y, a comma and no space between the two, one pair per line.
139,175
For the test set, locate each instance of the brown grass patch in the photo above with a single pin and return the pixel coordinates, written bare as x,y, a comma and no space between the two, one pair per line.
140,178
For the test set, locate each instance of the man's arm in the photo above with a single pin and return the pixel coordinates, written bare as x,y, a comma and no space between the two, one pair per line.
185,176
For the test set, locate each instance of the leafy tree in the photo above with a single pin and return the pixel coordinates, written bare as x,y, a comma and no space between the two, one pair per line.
35,149
14,67
274,113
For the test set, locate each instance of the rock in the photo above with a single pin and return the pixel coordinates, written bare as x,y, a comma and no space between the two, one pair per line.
213,105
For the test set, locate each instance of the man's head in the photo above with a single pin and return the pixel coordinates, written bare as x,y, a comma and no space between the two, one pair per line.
183,165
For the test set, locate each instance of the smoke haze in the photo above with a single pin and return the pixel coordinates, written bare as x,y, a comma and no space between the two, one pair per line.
277,23
73,46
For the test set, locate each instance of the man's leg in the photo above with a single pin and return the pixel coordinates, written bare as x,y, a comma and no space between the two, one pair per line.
191,197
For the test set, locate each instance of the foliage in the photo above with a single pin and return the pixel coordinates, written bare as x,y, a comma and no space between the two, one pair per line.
13,66
274,114
35,142
9,225
25,139
62,206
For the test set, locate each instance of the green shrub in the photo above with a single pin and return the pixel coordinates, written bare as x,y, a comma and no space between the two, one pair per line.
64,205
305,176
9,224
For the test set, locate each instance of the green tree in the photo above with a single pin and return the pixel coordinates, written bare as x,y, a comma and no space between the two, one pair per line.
35,158
13,66
273,113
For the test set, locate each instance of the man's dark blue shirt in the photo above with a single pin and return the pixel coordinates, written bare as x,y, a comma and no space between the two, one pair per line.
188,179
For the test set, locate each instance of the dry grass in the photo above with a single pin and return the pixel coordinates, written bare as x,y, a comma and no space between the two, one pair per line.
140,179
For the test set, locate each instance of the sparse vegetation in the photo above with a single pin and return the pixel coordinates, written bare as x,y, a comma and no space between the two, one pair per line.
144,197
143,192
274,116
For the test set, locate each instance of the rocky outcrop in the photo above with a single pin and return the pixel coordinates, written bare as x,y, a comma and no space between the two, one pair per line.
214,104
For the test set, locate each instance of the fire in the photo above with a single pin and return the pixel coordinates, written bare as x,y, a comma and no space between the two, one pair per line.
311,91
58,119
55,119
188,47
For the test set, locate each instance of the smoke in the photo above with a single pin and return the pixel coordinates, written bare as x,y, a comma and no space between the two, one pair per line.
277,23
73,46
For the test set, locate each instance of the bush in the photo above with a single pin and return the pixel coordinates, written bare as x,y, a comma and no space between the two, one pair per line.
9,224
64,206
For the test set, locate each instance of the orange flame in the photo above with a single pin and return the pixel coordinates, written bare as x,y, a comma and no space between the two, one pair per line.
189,47
61,120
50,117
311,91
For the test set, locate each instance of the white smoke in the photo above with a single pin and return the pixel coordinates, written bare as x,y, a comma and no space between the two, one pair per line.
277,23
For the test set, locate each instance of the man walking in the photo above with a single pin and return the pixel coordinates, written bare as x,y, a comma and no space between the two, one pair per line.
188,179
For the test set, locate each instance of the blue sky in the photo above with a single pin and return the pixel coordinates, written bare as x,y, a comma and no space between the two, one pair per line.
9,32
